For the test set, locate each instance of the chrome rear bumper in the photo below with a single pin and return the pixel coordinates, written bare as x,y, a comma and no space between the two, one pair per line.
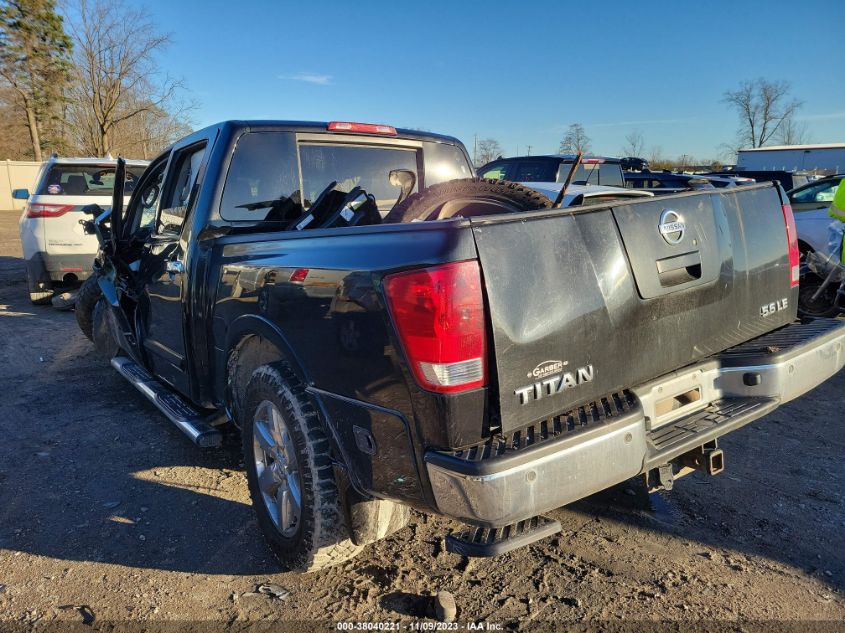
735,388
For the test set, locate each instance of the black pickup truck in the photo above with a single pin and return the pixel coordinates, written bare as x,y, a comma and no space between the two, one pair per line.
387,331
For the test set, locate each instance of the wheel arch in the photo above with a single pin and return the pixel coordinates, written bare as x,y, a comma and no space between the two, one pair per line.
252,341
805,247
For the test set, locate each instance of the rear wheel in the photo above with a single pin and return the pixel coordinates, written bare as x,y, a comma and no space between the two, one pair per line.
290,475
471,197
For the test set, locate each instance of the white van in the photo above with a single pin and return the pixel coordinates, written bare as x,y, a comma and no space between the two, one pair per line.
56,249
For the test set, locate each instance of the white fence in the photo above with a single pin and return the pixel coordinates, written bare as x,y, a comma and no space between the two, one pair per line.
16,174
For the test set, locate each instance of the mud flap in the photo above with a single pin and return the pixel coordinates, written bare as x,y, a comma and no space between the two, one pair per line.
374,519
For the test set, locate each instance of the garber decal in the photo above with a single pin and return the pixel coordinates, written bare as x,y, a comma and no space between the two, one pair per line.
553,384
547,368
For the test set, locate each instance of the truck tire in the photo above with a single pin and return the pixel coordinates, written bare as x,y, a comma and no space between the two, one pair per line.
469,197
86,299
37,296
287,455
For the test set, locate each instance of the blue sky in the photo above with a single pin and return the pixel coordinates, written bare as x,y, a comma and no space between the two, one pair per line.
516,72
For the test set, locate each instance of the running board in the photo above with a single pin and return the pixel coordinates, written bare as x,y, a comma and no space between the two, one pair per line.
190,421
479,541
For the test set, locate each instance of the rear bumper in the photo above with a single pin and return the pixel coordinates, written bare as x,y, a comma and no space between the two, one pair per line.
491,487
44,269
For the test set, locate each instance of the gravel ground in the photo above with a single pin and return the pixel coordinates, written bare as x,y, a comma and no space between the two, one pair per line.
106,511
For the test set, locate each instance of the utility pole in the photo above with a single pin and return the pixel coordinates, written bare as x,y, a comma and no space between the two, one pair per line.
529,149
475,150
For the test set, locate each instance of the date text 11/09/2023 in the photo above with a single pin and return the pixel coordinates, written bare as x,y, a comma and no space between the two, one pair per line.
419,625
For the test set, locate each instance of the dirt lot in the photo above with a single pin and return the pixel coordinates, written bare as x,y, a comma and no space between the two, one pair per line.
103,503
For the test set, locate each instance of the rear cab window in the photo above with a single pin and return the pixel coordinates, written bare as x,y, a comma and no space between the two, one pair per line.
605,173
275,176
79,179
353,166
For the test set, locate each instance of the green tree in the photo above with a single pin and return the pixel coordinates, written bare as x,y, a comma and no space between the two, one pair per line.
34,61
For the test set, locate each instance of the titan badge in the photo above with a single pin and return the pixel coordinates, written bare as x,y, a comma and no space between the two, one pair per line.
550,379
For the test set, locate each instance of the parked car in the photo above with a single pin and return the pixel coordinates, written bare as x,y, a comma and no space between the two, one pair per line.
815,195
632,163
811,203
517,357
579,195
726,181
786,179
56,250
665,182
594,170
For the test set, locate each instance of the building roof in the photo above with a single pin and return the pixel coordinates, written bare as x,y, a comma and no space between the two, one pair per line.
780,148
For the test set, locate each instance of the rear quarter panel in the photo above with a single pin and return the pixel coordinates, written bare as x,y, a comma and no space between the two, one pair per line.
321,293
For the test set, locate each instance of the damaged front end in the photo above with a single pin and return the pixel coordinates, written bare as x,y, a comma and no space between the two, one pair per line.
112,329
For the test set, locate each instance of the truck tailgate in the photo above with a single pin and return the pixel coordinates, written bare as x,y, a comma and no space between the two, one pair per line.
588,302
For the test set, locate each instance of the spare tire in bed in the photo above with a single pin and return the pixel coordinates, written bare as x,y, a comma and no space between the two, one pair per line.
471,197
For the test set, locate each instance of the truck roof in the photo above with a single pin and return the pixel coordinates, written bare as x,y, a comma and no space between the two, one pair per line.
563,157
322,126
79,160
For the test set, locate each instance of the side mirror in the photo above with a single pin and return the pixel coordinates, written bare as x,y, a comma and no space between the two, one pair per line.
20,194
405,179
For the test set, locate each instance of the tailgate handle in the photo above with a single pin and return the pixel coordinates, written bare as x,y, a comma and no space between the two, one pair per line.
673,271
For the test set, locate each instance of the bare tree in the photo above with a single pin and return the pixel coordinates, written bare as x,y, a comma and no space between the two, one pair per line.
634,144
793,132
763,106
488,149
657,161
117,83
575,140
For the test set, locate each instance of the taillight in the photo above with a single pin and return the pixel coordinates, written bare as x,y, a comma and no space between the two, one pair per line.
439,316
299,275
792,240
365,128
37,210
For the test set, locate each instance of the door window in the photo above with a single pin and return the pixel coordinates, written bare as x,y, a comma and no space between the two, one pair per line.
822,192
497,171
142,213
444,162
177,199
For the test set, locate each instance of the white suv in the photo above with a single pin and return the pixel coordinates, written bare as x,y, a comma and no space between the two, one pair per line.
56,249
